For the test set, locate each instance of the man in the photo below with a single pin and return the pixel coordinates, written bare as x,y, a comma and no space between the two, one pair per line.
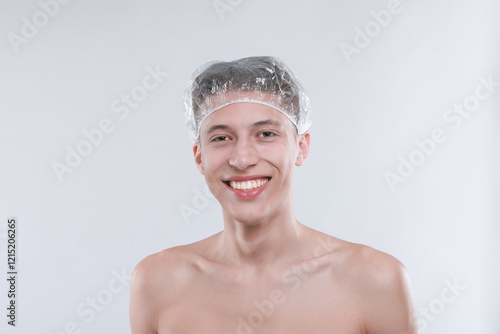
265,272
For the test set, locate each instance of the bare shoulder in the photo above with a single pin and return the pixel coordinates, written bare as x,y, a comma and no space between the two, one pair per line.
381,284
368,269
158,281
374,267
355,258
359,263
172,267
157,268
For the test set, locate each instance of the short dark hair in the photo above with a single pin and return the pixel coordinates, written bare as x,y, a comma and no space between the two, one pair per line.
267,74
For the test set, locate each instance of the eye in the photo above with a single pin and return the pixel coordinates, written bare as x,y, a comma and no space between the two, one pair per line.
267,134
219,138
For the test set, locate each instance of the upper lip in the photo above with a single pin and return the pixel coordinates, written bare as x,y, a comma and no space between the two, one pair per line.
246,177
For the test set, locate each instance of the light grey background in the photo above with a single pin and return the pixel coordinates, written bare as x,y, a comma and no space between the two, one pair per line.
124,201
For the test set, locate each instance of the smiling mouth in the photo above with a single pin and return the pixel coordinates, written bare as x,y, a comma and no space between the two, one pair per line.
248,185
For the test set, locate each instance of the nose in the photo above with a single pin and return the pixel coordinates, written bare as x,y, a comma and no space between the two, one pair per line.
244,155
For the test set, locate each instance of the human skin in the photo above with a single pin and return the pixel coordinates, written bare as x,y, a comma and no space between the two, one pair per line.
265,272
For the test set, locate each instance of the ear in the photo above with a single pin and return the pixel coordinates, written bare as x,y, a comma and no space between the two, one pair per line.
304,142
197,157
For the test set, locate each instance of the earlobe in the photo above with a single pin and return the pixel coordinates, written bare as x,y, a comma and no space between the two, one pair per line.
197,157
304,142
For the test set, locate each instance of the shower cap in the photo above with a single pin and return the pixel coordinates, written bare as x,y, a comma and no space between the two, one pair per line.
264,80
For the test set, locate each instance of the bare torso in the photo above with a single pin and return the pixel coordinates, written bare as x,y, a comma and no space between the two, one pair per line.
334,287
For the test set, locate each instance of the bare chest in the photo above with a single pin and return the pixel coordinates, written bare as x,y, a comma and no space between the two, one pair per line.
294,305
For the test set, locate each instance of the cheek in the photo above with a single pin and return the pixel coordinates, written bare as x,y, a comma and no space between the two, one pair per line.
213,164
207,157
213,182
281,156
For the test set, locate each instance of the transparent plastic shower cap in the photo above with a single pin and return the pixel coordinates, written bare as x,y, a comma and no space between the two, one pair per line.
263,80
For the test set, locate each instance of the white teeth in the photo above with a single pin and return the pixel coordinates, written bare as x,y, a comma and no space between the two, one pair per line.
248,185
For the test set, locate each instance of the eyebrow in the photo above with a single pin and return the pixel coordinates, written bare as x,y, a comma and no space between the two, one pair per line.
254,125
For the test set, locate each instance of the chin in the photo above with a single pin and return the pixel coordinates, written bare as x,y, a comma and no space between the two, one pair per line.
249,219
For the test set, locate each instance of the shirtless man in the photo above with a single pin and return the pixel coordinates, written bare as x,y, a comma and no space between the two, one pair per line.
265,272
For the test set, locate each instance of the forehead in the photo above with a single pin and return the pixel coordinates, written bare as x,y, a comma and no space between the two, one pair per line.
246,114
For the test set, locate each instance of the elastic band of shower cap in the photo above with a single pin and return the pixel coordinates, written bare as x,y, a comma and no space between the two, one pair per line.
263,80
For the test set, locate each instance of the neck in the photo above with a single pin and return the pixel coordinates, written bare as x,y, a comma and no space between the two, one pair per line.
262,243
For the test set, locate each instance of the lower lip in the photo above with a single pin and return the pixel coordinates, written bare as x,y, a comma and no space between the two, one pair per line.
248,194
